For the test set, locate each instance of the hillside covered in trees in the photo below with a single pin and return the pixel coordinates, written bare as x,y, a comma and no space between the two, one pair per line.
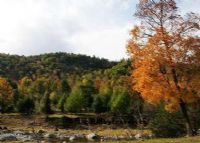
16,67
62,82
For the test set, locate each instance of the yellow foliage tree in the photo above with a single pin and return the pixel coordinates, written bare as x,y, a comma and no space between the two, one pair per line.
24,85
165,51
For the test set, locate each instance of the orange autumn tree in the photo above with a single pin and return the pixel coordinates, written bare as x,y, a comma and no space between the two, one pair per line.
165,52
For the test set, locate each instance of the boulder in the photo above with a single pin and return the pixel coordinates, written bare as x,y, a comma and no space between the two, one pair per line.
72,138
138,136
92,137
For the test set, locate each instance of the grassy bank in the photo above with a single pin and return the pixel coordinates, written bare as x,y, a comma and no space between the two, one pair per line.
38,122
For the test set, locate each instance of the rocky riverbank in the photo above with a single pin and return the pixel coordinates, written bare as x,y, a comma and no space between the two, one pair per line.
8,135
19,128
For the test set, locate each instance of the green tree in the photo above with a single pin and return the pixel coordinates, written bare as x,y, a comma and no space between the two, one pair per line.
97,105
105,94
61,103
65,89
88,91
76,100
120,102
45,104
24,85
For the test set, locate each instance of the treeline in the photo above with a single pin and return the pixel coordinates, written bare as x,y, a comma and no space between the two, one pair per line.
16,67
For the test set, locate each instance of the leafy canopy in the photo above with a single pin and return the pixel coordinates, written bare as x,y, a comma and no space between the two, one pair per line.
165,51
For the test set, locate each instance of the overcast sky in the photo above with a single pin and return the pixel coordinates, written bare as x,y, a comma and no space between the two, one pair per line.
92,27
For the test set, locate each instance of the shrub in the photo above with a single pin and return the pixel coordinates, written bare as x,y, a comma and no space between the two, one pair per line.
165,124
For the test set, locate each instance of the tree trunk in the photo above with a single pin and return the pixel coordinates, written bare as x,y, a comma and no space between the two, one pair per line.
189,128
183,106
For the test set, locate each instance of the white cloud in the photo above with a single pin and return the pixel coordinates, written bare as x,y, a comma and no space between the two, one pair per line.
93,27
109,43
81,26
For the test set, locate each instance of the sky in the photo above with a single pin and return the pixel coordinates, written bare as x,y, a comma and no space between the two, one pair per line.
91,27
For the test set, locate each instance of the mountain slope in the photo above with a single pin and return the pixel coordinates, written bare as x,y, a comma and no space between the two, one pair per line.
15,67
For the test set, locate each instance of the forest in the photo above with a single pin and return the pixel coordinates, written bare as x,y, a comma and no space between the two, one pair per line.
62,82
104,89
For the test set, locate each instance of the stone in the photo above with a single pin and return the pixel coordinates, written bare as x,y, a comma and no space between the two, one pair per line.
92,137
72,138
138,136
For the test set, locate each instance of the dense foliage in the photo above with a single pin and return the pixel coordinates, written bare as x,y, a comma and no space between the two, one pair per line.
16,67
63,82
165,51
105,91
165,124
